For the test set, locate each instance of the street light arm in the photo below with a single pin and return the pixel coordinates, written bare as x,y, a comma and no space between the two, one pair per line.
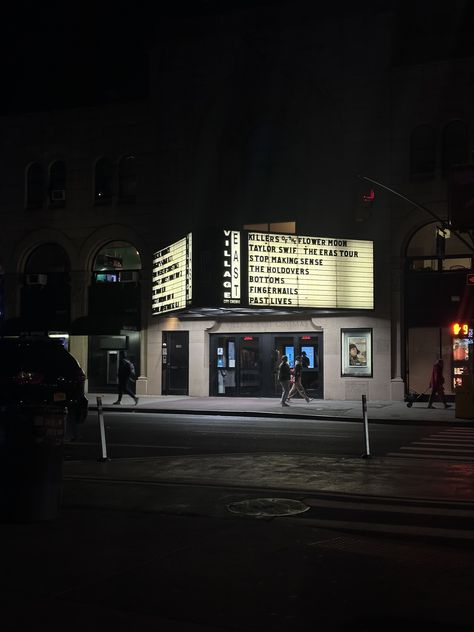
419,206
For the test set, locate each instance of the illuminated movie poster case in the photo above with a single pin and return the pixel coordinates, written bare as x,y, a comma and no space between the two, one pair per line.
356,352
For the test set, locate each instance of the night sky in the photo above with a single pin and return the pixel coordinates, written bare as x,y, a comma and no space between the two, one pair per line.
64,54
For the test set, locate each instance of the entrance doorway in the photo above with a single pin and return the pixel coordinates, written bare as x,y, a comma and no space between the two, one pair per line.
175,363
105,353
247,365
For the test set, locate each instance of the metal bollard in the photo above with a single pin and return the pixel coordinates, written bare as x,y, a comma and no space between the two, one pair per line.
366,454
103,441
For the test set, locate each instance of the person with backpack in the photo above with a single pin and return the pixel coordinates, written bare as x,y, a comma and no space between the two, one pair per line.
125,373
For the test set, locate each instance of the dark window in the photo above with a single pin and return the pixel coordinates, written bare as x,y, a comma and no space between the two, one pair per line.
455,145
127,179
423,151
57,183
35,188
104,180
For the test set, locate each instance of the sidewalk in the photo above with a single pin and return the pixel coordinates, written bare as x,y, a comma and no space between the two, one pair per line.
383,411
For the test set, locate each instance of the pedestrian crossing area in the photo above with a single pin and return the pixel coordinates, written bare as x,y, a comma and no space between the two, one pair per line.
405,517
452,444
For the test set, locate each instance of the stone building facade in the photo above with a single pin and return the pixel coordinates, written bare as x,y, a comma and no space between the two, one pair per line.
262,118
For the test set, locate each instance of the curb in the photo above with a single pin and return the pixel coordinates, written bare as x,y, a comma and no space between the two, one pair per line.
263,415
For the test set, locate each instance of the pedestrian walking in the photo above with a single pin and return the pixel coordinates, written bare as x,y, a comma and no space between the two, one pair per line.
284,375
125,373
437,384
298,386
304,360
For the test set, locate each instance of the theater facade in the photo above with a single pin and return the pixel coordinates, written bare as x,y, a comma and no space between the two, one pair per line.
228,304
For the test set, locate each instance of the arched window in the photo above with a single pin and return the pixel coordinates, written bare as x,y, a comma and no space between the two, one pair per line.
127,173
51,262
118,261
104,180
57,183
423,151
35,189
455,145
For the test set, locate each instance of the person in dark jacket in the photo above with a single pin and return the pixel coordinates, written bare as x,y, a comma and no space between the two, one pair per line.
284,375
437,384
125,373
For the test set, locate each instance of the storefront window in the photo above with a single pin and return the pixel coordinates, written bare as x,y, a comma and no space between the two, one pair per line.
247,365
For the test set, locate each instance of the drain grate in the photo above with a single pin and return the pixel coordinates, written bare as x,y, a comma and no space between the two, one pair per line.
267,507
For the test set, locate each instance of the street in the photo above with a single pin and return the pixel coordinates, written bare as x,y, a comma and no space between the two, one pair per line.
190,526
416,483
134,434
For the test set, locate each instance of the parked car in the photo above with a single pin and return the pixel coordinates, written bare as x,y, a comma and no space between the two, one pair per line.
41,371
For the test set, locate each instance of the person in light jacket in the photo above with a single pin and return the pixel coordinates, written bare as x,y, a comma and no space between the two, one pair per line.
298,386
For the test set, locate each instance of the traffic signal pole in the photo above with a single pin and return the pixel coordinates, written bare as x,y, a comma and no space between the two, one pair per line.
418,206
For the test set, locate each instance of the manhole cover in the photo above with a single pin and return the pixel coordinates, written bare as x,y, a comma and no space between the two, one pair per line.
265,507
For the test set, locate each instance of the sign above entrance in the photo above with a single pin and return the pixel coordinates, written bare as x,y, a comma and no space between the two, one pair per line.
172,284
298,271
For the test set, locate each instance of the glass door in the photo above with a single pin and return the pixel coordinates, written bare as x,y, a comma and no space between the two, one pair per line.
225,366
250,373
284,345
309,349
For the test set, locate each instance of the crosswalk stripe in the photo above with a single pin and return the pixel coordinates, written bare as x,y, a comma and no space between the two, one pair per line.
451,444
385,508
464,459
459,534
431,449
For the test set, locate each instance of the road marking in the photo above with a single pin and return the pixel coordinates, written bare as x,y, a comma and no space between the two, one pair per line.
431,449
433,532
384,508
451,444
131,445
449,457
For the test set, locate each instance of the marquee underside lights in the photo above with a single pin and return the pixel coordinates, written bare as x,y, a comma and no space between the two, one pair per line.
172,277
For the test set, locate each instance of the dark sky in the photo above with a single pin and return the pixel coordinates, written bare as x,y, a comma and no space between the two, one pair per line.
56,55
61,54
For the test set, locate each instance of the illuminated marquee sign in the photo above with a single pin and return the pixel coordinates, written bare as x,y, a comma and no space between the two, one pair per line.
231,267
295,271
172,277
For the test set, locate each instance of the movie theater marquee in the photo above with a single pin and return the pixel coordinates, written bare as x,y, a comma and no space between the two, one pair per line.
266,270
298,271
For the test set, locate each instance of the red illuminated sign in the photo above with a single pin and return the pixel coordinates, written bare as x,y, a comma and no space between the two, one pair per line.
460,329
369,196
248,337
305,337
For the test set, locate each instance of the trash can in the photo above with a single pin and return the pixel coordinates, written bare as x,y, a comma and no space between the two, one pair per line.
31,462
464,398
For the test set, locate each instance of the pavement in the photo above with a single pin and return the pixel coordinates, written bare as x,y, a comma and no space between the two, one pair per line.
384,411
156,544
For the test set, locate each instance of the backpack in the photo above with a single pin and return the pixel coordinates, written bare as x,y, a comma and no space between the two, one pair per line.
132,370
